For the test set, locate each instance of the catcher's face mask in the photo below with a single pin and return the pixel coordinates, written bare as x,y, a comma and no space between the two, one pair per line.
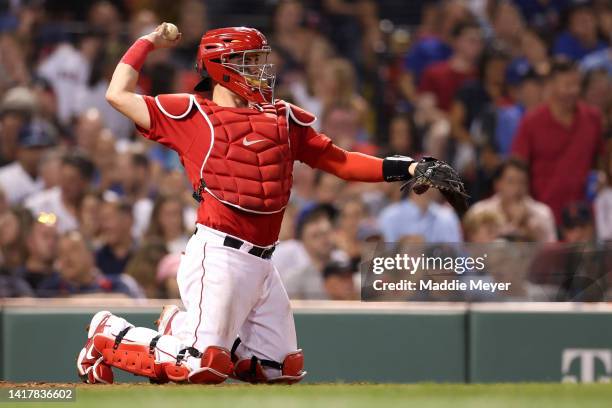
254,68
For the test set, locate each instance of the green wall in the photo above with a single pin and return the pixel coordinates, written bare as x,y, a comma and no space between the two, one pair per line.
440,345
508,347
383,347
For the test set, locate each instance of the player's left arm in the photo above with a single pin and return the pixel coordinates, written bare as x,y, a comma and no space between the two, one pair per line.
319,152
354,166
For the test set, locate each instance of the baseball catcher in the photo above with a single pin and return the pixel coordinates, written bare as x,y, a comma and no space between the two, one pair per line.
237,145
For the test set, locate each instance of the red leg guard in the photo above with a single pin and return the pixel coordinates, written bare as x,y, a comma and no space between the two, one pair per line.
216,365
293,369
100,373
137,359
251,370
90,365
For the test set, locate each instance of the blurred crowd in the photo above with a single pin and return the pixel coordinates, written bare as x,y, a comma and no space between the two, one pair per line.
515,94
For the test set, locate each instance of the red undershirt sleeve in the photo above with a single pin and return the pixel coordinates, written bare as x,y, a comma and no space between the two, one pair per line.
318,151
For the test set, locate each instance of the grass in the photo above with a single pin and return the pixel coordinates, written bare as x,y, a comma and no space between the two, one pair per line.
342,395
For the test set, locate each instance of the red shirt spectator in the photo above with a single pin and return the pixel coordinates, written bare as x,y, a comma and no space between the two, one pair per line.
560,141
443,79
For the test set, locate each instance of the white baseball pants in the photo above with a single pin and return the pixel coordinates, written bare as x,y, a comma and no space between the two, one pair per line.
228,293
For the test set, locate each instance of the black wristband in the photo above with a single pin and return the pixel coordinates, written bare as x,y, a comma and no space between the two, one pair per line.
395,168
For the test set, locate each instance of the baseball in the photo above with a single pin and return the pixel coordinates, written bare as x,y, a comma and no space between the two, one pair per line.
170,31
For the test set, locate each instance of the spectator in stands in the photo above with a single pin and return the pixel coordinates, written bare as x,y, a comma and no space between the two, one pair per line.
290,38
522,217
597,91
144,266
118,246
581,36
41,244
577,224
301,262
49,168
339,282
494,129
420,216
67,68
16,109
167,224
78,274
193,21
76,174
544,16
508,26
167,270
134,176
21,178
335,85
603,201
13,226
475,96
560,141
105,160
88,126
482,227
11,285
89,217
598,59
344,126
443,79
352,215
328,189
433,38
403,138
488,92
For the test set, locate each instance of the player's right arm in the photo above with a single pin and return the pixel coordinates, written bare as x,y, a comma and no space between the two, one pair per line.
121,93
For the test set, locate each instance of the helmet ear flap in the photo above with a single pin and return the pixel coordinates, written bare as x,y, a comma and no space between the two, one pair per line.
205,83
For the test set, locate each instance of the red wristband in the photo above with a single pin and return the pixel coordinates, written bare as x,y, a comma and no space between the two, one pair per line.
136,55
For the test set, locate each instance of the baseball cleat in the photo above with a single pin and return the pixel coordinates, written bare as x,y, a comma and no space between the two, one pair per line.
164,320
90,365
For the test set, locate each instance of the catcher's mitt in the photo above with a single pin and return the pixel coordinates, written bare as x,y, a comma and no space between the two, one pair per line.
438,174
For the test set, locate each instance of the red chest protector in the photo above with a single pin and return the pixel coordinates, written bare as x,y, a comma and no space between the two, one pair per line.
249,163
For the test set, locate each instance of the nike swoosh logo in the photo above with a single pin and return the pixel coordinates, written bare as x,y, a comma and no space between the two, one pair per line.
252,142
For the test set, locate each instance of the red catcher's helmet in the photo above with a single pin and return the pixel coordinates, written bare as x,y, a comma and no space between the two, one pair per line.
237,58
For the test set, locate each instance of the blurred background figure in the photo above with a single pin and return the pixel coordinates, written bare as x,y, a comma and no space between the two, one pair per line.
76,174
21,178
563,130
421,217
118,245
77,273
474,83
523,218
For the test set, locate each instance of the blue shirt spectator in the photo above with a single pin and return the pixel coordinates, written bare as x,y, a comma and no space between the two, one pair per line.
425,52
434,223
596,60
508,119
569,46
56,286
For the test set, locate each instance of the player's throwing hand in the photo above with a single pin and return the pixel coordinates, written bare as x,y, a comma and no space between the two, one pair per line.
166,35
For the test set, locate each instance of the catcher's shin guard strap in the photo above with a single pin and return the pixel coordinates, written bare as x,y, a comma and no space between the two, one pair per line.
252,370
120,337
136,55
395,168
